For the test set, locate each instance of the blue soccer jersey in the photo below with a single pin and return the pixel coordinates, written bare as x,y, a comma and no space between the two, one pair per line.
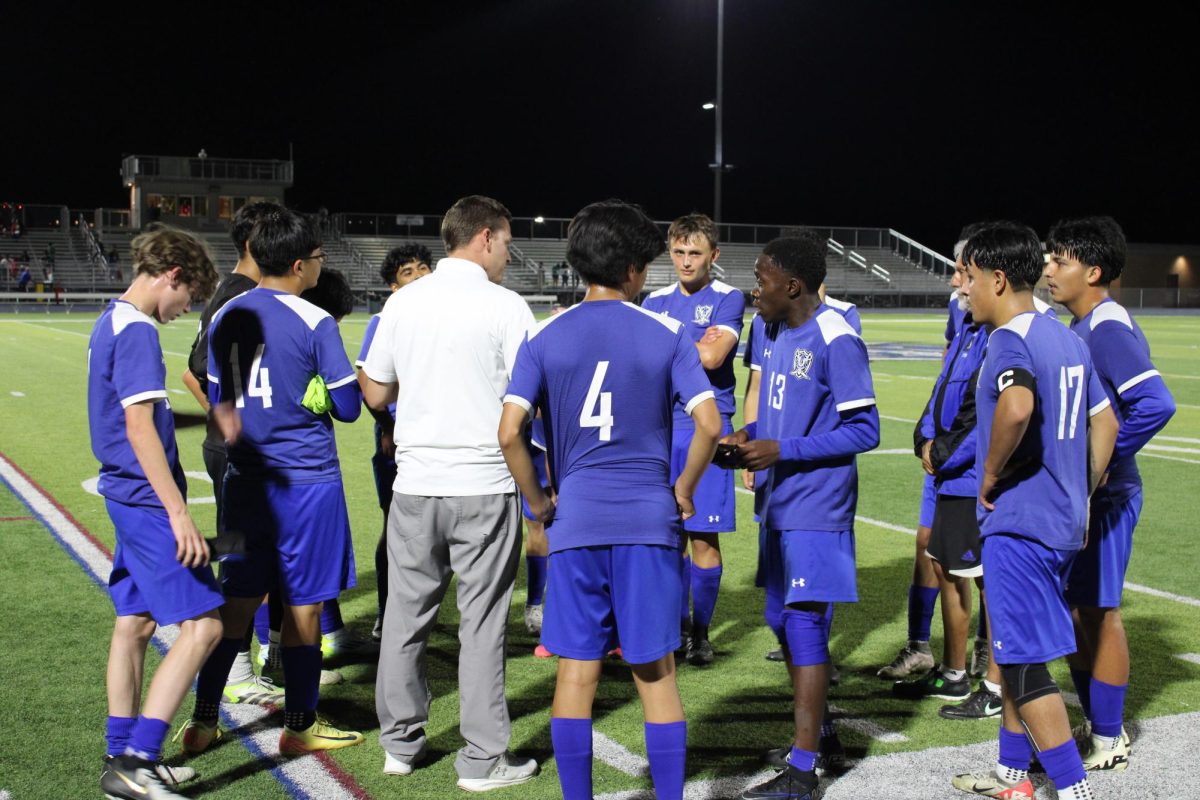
1044,494
848,310
954,316
360,362
264,348
1135,388
717,304
816,399
125,366
605,375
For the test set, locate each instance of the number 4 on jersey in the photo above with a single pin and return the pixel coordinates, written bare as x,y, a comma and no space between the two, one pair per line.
601,401
260,382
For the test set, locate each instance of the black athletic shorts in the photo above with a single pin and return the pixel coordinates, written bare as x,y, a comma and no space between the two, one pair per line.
955,540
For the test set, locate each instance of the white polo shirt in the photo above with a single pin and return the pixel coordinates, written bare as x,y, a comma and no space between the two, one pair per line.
449,340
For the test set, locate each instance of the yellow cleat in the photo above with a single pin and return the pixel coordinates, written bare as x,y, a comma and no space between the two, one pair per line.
318,736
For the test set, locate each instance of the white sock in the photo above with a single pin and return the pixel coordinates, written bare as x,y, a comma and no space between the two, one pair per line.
953,674
334,637
1011,775
241,671
1105,742
919,646
994,688
1077,791
275,653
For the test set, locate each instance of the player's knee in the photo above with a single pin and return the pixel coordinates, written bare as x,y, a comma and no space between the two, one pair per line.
1027,682
807,640
135,628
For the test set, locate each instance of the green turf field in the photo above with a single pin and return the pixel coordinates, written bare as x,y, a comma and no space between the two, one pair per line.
57,621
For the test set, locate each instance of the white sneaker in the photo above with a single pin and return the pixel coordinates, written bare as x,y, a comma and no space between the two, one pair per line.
394,766
533,619
377,631
508,771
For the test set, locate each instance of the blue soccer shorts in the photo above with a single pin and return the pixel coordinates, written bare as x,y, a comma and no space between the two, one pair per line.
146,578
626,594
297,540
807,566
1031,623
1098,574
716,506
928,503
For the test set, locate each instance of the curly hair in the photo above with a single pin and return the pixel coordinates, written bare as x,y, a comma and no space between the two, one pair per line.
160,248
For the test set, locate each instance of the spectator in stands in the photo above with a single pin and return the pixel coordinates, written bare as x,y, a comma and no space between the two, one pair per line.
23,279
8,267
48,255
15,230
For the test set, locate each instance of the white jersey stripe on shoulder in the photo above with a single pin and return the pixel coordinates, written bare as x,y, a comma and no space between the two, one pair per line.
1096,409
1019,324
721,287
672,324
541,326
153,394
1110,312
126,314
697,400
833,325
308,312
850,405
666,290
1135,380
517,400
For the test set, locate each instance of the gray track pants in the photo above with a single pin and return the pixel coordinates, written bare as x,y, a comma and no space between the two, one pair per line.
477,538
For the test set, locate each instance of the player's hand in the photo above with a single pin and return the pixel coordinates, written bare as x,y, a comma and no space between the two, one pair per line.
748,479
925,462
759,454
737,437
986,487
190,548
229,422
542,507
711,335
687,509
387,444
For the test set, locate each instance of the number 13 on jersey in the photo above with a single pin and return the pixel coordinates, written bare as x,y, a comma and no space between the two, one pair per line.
600,402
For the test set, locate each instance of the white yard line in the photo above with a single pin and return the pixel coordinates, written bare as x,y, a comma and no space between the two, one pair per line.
88,336
1166,448
617,756
866,727
1168,458
1193,658
898,419
1179,439
17,394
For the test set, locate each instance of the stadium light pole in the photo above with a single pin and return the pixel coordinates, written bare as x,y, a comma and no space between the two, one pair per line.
718,165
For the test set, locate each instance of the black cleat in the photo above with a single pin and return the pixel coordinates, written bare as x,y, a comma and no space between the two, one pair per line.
788,784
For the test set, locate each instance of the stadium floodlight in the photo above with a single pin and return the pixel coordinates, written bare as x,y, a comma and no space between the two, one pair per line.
539,219
709,106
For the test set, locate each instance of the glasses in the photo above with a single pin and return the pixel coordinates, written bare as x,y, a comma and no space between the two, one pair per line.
319,257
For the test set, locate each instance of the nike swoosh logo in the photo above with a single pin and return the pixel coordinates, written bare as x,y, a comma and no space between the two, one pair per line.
134,787
990,709
334,738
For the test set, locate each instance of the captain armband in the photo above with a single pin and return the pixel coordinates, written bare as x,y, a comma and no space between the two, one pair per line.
1017,376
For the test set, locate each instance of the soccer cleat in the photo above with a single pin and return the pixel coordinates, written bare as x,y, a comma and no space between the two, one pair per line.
541,652
533,619
685,636
318,736
831,756
699,649
347,646
507,771
131,778
835,677
775,655
259,692
788,784
989,784
980,704
1107,753
980,657
908,661
932,684
196,736
377,631
171,776
275,675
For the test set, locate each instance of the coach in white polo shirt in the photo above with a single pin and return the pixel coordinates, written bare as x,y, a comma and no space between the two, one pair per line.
443,351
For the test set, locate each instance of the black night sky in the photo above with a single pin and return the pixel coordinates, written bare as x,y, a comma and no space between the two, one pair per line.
915,115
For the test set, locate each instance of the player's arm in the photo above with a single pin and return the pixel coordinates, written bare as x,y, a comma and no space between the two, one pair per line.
1141,394
707,420
856,432
1102,435
190,547
513,419
193,384
954,449
1014,409
715,346
750,414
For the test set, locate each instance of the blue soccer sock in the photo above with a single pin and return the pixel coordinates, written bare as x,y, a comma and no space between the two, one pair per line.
212,677
1108,707
331,617
1082,679
921,600
1063,765
685,612
147,738
706,584
981,624
572,742
1015,750
666,750
535,574
262,624
301,684
803,760
116,733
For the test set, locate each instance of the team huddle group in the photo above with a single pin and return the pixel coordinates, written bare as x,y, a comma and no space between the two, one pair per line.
608,427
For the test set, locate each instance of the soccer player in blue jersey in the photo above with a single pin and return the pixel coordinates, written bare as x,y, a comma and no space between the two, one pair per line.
1086,255
816,412
1044,435
401,266
160,572
606,376
283,487
711,312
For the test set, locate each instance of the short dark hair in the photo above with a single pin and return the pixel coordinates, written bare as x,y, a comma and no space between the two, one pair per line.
691,225
801,255
281,237
331,294
1094,241
1011,247
243,223
605,238
470,215
399,256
